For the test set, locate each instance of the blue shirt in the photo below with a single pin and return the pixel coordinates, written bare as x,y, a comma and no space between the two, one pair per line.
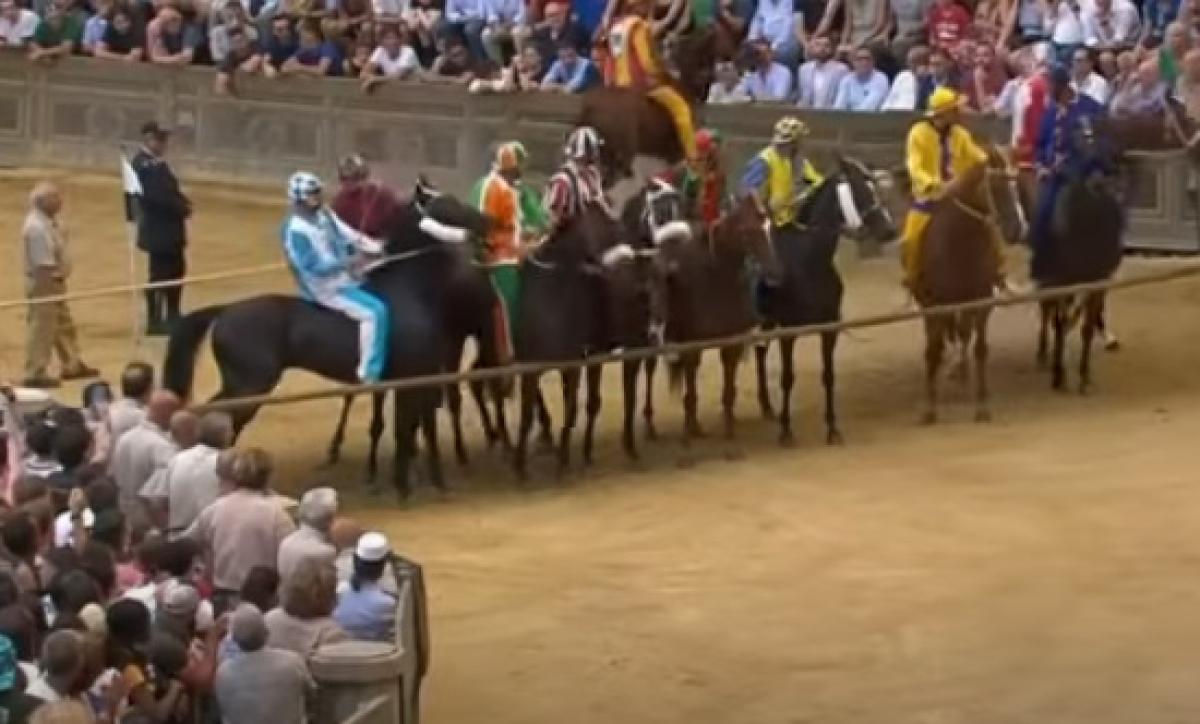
313,56
1158,14
278,51
857,94
1058,144
577,77
93,31
589,13
367,614
460,11
773,20
774,85
503,11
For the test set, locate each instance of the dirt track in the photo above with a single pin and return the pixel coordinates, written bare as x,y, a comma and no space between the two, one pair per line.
1041,568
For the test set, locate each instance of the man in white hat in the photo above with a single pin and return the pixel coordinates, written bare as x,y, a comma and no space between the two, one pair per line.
364,609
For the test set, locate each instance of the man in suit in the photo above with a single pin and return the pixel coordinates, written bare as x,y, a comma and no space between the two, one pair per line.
161,227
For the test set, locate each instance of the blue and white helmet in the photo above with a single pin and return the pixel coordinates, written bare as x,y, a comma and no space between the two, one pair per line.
303,184
583,144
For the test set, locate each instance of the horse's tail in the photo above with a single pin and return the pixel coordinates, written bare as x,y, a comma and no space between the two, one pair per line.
179,367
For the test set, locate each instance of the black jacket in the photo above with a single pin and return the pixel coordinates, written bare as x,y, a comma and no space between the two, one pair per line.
164,209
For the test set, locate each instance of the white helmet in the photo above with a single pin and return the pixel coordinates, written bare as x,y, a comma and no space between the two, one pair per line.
583,143
303,184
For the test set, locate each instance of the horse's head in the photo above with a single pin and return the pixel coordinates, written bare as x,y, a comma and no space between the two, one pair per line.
695,56
863,206
745,229
1003,184
431,217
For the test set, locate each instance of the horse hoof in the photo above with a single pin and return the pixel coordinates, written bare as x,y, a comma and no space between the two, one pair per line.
983,416
787,439
1112,344
929,418
1058,384
768,413
834,437
651,432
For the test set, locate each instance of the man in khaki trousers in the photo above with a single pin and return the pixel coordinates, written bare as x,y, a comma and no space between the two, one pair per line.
47,265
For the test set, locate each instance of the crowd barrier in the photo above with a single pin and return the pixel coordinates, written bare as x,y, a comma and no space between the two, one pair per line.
76,113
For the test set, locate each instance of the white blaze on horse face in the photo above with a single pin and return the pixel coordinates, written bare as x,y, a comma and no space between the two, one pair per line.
442,232
679,230
849,210
617,254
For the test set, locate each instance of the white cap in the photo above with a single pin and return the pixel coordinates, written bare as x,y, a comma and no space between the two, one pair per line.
372,547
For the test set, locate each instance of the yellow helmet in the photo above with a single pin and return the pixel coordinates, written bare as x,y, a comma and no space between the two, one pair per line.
943,100
789,129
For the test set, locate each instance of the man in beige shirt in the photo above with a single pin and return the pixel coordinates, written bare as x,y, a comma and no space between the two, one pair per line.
47,265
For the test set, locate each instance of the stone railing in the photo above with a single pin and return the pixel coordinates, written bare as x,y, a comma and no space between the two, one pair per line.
77,112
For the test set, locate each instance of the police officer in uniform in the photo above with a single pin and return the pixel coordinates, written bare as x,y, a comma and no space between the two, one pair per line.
161,227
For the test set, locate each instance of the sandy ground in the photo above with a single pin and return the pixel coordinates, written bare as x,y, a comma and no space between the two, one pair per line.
1041,568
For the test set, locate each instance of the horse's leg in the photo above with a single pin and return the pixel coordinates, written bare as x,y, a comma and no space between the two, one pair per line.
629,379
454,407
833,436
485,415
691,423
648,409
730,358
787,379
960,342
1093,313
529,399
496,387
764,390
594,376
429,431
1046,311
570,390
339,433
546,436
982,411
406,416
1059,322
375,433
935,331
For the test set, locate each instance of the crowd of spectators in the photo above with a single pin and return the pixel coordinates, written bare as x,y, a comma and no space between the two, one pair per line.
149,574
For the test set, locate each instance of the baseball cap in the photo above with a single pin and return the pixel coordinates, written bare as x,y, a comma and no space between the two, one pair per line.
372,547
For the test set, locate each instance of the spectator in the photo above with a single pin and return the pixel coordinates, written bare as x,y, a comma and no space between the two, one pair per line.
261,588
912,87
58,34
1111,25
346,534
20,537
504,25
62,667
279,47
780,25
13,701
865,88
241,55
766,80
264,683
556,28
137,379
170,40
360,54
1064,25
39,442
78,513
1029,25
1172,52
352,20
394,59
1187,89
20,619
47,266
1143,96
314,56
570,73
1085,80
232,17
93,27
129,634
866,23
305,622
365,611
463,21
17,25
820,77
948,23
456,66
1157,16
523,74
164,210
244,528
943,71
987,79
188,483
318,507
143,451
423,18
908,18
727,88
97,561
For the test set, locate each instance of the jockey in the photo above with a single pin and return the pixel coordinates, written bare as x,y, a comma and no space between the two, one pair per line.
517,216
1057,156
634,64
702,183
577,182
939,151
320,250
771,174
360,202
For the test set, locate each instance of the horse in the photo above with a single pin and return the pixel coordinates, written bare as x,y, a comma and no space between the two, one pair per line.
1085,246
958,265
577,288
708,297
811,289
633,124
255,340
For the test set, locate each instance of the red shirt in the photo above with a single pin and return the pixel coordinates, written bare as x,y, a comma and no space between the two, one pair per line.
948,25
366,206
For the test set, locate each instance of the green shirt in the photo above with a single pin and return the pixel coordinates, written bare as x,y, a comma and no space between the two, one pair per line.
703,12
69,30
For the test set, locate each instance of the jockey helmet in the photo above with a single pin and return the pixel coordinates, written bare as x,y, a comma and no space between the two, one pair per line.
789,129
707,140
583,144
303,184
944,100
352,167
511,156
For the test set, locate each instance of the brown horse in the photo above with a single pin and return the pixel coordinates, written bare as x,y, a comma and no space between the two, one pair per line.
957,265
708,297
632,124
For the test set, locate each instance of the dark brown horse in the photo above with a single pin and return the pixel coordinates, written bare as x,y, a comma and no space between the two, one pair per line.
958,265
708,297
632,124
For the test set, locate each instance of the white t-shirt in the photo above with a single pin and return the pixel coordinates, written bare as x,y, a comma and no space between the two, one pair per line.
397,67
389,7
16,34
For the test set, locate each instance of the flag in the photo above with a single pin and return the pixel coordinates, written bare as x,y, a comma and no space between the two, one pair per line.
133,190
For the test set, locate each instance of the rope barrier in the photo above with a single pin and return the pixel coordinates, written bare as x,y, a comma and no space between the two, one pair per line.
641,353
126,288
